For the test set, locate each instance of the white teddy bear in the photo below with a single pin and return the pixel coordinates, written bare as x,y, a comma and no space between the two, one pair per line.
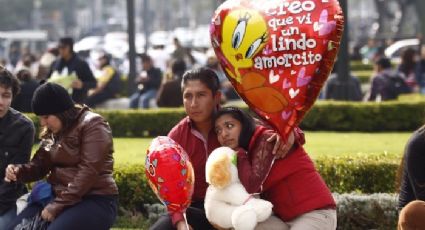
227,203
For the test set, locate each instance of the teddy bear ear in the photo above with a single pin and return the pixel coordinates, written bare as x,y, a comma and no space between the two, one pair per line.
218,173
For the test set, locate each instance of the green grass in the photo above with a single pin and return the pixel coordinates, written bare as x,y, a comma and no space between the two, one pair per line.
133,150
346,144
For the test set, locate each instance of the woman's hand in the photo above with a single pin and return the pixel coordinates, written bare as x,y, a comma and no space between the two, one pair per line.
47,216
181,225
281,148
11,173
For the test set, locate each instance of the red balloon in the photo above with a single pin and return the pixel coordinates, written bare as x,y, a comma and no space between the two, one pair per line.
170,173
278,54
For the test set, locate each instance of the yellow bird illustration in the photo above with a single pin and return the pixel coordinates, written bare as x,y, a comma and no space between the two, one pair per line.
244,35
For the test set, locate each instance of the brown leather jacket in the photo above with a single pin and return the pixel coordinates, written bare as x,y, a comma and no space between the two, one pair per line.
80,162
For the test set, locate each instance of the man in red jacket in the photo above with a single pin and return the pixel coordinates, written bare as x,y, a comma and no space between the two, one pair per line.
195,133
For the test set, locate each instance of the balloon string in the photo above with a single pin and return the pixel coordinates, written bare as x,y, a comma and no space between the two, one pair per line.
185,220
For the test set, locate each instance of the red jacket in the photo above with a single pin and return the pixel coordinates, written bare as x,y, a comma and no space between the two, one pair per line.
292,184
198,150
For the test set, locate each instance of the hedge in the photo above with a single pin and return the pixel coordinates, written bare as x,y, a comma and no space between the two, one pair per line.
324,116
359,66
342,174
373,211
354,211
363,174
365,117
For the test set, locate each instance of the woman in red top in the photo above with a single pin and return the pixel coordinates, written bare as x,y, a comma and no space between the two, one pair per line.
299,195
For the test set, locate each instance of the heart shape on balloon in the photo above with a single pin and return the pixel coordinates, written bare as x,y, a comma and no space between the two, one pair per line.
278,54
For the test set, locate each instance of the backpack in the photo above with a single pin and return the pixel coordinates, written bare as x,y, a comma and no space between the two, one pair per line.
394,85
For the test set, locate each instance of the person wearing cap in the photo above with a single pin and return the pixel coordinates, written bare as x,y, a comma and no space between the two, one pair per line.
108,84
16,140
69,64
76,153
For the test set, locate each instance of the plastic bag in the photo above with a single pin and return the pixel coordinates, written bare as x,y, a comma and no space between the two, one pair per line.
33,223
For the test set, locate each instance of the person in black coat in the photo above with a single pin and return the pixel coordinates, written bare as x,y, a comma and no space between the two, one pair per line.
22,101
73,64
411,201
16,140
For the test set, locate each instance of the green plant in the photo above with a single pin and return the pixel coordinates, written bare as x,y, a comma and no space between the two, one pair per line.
362,174
403,115
372,211
375,174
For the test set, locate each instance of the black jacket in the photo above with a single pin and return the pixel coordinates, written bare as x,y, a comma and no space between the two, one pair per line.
22,101
413,177
83,72
16,140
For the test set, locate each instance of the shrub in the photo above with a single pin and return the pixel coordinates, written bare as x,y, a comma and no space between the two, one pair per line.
374,211
376,174
342,174
358,66
405,115
365,117
354,212
134,191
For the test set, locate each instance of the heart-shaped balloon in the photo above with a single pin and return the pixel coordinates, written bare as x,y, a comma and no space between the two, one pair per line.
278,54
170,173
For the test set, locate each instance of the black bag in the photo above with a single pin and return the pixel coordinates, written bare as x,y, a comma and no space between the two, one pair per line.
34,223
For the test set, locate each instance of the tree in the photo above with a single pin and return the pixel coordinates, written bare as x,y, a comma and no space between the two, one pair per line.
17,14
420,8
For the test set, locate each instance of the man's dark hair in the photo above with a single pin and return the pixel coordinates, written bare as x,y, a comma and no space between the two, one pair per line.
107,58
178,67
247,123
383,62
8,80
145,57
206,75
67,41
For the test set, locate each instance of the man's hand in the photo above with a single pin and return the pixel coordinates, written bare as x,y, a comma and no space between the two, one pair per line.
47,216
11,173
181,225
280,148
77,84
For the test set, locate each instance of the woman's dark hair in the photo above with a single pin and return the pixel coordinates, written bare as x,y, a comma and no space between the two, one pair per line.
68,118
247,122
206,75
8,80
24,75
408,62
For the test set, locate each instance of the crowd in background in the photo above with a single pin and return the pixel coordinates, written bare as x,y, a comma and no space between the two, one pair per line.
100,76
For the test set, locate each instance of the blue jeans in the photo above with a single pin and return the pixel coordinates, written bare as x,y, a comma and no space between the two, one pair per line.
7,217
92,212
138,100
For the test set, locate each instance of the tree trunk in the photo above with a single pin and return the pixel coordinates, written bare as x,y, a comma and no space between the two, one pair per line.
420,9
